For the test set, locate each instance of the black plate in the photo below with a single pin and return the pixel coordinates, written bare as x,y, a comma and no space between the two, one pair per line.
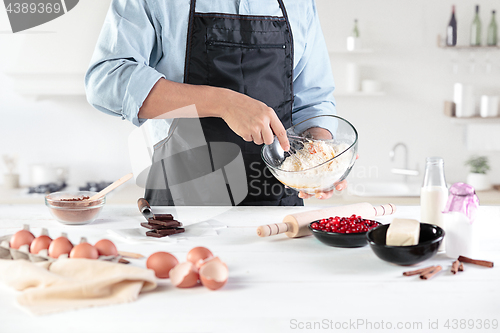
338,239
431,236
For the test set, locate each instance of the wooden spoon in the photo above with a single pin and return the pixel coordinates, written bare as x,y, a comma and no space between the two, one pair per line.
110,187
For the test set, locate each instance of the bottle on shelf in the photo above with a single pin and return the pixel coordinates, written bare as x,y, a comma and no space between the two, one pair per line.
355,30
433,194
492,38
451,30
353,41
475,30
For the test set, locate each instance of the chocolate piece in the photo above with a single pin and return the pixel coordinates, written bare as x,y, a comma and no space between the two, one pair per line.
163,217
171,223
160,227
170,231
164,232
154,234
152,226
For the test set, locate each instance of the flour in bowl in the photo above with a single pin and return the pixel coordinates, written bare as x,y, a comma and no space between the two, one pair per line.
314,153
313,167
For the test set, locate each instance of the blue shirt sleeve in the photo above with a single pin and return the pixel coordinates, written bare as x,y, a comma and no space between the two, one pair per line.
121,72
313,83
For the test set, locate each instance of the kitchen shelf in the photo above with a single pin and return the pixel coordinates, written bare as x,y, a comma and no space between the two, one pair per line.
359,94
471,48
475,120
360,51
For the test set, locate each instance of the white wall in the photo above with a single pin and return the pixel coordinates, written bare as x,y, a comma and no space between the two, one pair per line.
416,75
62,131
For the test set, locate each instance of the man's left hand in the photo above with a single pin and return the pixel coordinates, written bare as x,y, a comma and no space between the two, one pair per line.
324,195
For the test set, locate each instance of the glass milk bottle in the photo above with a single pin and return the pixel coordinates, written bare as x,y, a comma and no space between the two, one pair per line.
434,194
460,213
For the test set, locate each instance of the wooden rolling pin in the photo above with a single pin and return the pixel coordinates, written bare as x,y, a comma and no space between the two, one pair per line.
295,225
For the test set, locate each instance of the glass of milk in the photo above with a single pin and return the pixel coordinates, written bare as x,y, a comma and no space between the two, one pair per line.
434,194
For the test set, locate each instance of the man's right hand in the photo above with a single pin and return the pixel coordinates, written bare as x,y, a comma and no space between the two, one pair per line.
247,117
251,119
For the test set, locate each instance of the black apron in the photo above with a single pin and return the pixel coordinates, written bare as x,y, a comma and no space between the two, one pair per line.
252,55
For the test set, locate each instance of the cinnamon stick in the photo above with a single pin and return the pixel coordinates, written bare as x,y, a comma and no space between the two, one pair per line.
454,266
418,271
484,263
461,267
428,275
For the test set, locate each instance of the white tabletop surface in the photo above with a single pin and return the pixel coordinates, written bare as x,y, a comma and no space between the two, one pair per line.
275,284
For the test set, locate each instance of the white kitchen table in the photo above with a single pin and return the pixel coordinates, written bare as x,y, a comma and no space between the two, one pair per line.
276,284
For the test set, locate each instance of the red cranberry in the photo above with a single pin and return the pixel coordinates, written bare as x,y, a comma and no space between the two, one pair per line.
345,225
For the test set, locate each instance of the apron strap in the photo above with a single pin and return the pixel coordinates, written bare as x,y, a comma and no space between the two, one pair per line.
285,15
188,39
283,10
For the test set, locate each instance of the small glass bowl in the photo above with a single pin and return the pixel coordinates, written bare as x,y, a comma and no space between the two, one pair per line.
74,212
336,239
322,177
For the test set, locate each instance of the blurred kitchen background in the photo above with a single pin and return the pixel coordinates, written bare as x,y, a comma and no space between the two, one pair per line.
392,87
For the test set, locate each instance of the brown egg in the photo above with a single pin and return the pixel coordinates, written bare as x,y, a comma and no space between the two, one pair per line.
206,261
198,254
84,250
214,274
184,275
105,247
161,263
60,245
40,243
20,238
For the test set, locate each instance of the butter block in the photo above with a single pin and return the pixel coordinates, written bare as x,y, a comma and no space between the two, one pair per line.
403,232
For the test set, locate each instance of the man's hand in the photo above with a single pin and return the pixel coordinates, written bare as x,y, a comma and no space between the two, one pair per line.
324,195
251,119
317,133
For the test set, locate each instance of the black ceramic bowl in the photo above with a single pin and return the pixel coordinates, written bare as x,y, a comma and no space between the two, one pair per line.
338,239
431,236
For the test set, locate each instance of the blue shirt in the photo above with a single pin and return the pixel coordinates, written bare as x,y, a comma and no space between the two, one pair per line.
144,40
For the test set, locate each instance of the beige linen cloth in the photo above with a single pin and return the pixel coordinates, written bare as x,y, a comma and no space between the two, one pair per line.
69,284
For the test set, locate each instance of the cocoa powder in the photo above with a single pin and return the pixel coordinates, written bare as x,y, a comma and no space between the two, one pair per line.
76,199
75,210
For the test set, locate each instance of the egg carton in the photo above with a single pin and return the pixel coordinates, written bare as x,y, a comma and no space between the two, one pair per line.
6,252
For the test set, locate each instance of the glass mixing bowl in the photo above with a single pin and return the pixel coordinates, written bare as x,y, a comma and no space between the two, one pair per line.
322,152
74,212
